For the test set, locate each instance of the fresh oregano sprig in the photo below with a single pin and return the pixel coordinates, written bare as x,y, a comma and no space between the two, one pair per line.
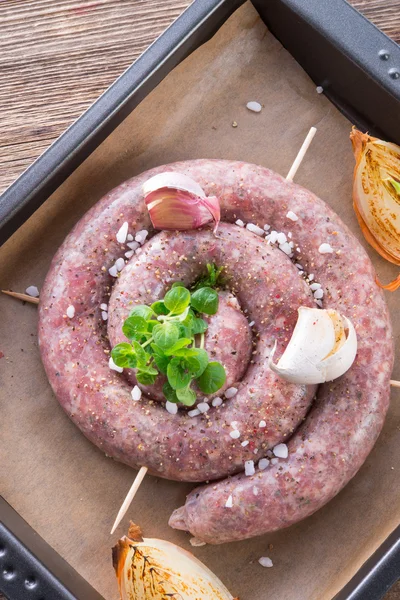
162,339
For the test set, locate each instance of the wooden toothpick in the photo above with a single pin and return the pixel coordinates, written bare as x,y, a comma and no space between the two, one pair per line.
297,161
23,297
395,383
129,497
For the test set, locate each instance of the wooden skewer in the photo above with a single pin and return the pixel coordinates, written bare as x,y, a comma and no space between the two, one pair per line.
395,383
297,161
23,297
131,494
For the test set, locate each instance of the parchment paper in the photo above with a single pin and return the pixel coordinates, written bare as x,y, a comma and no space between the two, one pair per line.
66,488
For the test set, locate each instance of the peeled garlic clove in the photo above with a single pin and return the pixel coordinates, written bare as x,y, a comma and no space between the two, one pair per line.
340,361
177,202
376,198
312,339
152,569
323,346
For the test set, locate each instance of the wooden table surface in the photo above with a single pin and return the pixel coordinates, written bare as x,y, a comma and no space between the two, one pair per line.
57,57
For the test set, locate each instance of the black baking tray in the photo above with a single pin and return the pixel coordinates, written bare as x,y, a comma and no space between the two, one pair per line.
359,70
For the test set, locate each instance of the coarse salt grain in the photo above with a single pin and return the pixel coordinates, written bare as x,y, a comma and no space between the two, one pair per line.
254,106
113,366
319,303
113,271
311,276
255,491
194,413
133,245
269,453
245,443
286,248
290,235
263,464
255,229
136,393
281,451
325,249
119,263
217,401
129,254
234,424
267,227
249,469
281,239
71,311
196,543
171,407
315,286
262,424
203,407
239,222
235,434
252,323
318,294
319,89
229,502
274,461
32,291
298,266
141,236
231,392
292,216
122,233
273,237
265,562
104,315
129,237
104,306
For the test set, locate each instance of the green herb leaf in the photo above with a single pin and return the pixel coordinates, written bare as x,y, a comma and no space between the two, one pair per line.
141,356
145,378
205,300
142,311
178,373
169,393
177,299
199,326
186,396
134,327
181,343
152,323
161,359
159,308
210,279
212,379
166,334
178,284
196,360
124,356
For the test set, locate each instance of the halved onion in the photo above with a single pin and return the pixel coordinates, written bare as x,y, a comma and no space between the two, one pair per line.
152,569
376,197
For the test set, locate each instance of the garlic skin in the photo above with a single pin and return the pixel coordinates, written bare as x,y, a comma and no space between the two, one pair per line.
323,347
177,202
152,569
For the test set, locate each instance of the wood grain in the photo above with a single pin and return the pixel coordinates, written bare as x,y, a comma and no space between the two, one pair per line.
384,13
57,58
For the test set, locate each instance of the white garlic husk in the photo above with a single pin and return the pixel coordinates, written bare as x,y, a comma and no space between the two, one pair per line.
152,569
323,347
